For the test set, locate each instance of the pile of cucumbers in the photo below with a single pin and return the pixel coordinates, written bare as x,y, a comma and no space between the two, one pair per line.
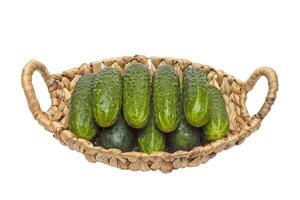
153,113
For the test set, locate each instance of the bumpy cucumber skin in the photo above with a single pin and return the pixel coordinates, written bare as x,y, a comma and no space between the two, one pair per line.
136,95
166,95
120,136
185,137
81,118
196,97
151,139
218,125
107,97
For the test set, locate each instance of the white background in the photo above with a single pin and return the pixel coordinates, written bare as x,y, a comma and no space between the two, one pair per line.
235,36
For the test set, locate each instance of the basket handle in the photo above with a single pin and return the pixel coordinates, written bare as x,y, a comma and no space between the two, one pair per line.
271,76
28,88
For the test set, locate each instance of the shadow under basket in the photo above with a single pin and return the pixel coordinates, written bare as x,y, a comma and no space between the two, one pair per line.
234,91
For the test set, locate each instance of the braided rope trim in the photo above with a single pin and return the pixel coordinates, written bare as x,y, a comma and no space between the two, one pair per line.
234,91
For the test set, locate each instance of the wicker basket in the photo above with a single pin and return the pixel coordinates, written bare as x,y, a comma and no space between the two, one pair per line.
60,87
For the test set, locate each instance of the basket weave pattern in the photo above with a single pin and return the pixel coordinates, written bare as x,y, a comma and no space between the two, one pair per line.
60,87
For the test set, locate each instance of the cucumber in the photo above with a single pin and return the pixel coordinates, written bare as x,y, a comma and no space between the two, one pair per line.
136,95
150,138
218,125
119,136
166,95
81,118
196,97
185,137
107,97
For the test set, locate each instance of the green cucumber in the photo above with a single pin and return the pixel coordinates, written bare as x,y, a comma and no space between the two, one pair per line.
107,97
81,118
185,137
196,97
218,125
119,136
136,95
150,138
166,95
